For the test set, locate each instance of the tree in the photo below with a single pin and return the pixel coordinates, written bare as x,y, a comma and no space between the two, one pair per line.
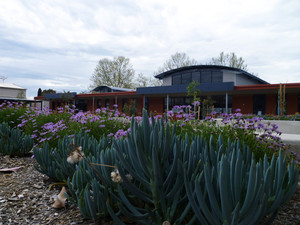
179,59
144,81
39,92
229,59
21,95
48,91
116,73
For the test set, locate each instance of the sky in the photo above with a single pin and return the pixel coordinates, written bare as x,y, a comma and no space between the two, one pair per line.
56,44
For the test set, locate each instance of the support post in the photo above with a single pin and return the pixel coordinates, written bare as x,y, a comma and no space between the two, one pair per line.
167,103
93,104
226,103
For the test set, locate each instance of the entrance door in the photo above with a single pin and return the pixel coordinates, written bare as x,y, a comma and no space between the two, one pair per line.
259,104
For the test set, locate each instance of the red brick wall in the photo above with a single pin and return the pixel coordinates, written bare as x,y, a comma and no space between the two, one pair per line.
292,103
156,105
139,105
243,102
90,105
271,104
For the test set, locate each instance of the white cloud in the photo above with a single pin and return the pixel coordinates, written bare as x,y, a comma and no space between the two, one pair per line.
58,43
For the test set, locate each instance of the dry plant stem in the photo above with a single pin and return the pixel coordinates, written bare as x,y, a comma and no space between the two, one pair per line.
90,164
96,164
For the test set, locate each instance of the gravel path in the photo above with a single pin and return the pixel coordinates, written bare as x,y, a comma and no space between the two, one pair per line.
25,198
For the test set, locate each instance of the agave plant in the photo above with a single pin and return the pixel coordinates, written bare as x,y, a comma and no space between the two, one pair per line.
91,185
13,141
188,180
150,154
53,161
233,188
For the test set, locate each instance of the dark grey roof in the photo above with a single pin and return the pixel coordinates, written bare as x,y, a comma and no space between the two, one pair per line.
59,95
182,88
111,89
215,67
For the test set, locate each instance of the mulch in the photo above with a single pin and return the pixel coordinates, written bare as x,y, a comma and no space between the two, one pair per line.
25,198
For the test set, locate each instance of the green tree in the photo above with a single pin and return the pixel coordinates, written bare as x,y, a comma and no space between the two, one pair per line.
193,91
39,92
48,91
177,60
116,73
21,95
229,59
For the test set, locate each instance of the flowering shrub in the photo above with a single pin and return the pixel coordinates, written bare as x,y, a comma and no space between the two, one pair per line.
261,138
47,126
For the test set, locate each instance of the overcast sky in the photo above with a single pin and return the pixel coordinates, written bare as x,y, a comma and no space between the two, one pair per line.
57,43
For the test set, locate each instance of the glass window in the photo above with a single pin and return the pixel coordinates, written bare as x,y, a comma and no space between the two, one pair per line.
196,76
146,103
217,77
205,77
124,101
186,78
99,103
107,103
176,79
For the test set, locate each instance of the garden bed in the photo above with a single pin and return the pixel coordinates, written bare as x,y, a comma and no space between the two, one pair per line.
25,198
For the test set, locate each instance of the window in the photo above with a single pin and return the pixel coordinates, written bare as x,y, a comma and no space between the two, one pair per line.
196,76
205,77
176,79
217,77
176,101
124,101
146,103
186,78
99,103
107,103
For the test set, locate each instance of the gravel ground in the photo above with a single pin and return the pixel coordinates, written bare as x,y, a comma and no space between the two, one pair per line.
25,198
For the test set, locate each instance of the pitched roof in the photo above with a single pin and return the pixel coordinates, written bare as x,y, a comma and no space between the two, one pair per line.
112,89
216,67
12,86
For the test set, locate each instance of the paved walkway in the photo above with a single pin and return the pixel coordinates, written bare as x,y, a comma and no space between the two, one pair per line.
293,140
290,133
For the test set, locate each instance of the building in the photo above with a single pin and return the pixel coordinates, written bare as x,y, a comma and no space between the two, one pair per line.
12,91
225,88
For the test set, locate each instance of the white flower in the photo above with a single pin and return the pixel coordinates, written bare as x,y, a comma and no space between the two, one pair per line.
115,176
129,177
74,157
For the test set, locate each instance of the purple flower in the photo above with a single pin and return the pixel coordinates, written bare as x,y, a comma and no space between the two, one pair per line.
196,103
170,114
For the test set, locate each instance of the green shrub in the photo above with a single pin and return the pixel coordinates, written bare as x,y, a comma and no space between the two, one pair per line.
234,189
53,161
90,192
13,142
184,181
